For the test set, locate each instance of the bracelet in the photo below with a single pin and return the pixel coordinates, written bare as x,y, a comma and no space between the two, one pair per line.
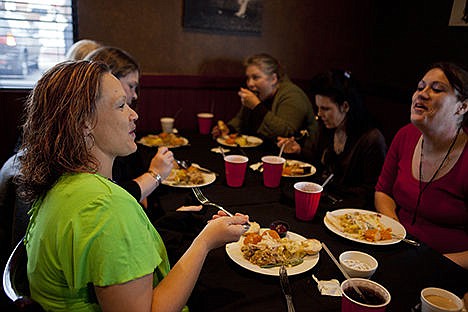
156,176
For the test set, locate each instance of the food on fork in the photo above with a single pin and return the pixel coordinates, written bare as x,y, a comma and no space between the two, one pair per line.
222,127
254,228
364,226
268,249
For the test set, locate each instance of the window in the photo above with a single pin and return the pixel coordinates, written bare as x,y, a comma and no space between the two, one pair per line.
33,37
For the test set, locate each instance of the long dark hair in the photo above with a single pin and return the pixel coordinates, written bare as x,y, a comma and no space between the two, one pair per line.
340,87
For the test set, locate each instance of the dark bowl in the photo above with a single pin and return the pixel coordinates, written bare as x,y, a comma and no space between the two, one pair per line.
282,227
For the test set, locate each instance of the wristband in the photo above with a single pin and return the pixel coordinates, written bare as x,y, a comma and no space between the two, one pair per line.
156,176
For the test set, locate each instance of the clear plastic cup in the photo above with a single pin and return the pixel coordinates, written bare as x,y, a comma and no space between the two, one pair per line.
167,124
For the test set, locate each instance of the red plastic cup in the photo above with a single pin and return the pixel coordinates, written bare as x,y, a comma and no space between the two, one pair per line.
235,166
307,197
204,122
272,170
377,296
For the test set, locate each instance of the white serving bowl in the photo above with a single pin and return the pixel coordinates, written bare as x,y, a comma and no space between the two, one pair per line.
358,264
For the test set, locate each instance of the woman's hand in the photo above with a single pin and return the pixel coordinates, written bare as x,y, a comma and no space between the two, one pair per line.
248,98
215,133
291,146
222,229
220,129
162,162
221,213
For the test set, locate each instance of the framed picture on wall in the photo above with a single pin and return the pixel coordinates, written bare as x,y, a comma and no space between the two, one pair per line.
225,16
459,16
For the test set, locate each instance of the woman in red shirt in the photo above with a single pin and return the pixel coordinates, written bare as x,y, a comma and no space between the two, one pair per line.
423,182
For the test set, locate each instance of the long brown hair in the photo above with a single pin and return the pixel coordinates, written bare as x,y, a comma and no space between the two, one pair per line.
58,109
119,61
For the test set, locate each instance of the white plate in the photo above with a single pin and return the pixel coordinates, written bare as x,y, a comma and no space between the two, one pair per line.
396,227
143,142
207,177
252,141
234,252
302,164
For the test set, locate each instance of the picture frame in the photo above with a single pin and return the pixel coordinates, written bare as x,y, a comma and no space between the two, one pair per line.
459,15
223,16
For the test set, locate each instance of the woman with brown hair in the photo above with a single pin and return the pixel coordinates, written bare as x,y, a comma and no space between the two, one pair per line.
423,183
90,245
132,172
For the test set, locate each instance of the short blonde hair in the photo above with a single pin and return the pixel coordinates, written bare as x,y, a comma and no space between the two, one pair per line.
80,49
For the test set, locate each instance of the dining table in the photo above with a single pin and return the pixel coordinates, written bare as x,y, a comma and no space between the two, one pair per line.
223,285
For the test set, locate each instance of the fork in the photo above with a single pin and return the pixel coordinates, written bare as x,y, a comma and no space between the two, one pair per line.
184,164
302,134
404,239
283,274
205,201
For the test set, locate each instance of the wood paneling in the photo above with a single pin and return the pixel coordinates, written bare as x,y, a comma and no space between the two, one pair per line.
163,96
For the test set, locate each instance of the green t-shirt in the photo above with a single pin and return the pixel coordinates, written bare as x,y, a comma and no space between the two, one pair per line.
88,231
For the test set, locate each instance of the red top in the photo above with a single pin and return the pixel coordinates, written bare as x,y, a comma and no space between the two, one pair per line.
442,216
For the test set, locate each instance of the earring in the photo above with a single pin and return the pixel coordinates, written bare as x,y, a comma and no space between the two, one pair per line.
89,140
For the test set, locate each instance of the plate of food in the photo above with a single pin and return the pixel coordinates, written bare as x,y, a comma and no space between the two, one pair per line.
364,226
264,252
296,168
235,139
190,177
169,140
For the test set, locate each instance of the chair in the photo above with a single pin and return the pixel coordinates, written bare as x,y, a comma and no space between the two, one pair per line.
15,280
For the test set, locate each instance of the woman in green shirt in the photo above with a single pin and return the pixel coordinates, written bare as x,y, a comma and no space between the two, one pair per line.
90,245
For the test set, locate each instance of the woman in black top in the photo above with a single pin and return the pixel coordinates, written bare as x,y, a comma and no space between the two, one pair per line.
349,145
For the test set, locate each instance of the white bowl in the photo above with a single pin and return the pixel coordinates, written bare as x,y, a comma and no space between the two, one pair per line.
358,264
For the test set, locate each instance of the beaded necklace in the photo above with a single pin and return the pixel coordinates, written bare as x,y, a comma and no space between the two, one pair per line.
421,188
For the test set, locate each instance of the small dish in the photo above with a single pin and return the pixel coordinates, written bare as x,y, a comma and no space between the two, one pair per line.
281,227
358,264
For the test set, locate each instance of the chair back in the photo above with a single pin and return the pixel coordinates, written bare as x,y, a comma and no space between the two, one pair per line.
15,280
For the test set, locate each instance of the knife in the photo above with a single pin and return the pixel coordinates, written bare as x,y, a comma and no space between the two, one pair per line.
286,288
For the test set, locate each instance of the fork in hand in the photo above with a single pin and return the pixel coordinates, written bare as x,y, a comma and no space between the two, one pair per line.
205,201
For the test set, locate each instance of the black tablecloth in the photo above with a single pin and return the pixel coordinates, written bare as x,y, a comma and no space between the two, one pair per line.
225,286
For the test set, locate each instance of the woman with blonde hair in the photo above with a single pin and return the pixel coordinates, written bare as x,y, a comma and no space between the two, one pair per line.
271,104
81,48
